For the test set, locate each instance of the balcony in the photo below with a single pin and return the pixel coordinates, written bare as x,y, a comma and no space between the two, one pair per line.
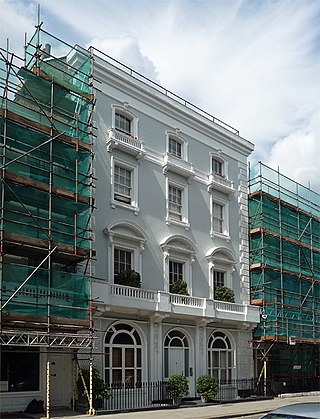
178,166
220,183
128,299
126,143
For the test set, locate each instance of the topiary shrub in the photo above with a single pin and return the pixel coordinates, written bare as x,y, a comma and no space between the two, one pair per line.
207,386
223,293
179,287
177,387
130,278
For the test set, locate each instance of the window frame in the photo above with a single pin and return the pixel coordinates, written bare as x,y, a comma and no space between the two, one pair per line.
31,356
127,266
217,282
230,356
178,248
179,275
224,204
133,205
170,218
217,157
175,151
126,236
220,259
137,346
129,115
174,136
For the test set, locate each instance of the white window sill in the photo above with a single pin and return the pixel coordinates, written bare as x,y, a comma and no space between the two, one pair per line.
215,234
118,204
183,224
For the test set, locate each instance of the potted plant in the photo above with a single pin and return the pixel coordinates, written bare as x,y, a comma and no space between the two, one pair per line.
130,278
100,390
177,387
179,287
207,386
223,293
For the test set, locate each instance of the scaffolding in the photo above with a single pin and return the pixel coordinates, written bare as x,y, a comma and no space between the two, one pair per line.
46,184
284,226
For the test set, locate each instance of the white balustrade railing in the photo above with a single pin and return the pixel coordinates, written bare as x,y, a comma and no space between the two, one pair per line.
125,138
224,306
121,295
187,300
131,292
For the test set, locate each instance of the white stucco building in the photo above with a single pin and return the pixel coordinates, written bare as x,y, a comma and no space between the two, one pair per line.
171,203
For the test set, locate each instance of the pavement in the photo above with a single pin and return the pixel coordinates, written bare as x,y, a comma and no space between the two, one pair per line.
238,409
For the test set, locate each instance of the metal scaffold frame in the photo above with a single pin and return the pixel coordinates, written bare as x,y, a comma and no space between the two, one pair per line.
46,111
284,229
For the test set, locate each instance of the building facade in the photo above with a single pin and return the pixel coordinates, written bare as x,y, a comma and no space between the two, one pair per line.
171,197
284,219
163,202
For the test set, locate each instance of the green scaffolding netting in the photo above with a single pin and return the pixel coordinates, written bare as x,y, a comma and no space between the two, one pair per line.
47,292
263,178
63,164
291,303
27,211
53,92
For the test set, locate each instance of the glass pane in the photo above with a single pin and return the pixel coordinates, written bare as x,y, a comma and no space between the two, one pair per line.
223,359
215,373
223,375
219,343
229,375
230,359
138,372
166,363
176,343
116,376
138,357
123,339
186,362
116,357
20,367
107,376
129,357
129,377
209,359
107,354
215,359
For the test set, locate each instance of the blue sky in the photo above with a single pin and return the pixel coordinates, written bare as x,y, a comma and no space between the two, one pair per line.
253,64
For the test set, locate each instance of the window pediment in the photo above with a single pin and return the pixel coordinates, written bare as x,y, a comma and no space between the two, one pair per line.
220,255
126,229
178,244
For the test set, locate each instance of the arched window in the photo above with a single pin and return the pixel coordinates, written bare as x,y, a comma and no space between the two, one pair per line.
220,357
176,354
123,355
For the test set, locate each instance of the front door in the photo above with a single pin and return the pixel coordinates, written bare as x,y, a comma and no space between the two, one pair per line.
177,357
60,380
177,361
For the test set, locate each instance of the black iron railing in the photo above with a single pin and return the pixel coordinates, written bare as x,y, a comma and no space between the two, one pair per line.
138,396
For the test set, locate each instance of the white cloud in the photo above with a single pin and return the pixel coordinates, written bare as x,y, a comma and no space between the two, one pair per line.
125,49
297,155
16,19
